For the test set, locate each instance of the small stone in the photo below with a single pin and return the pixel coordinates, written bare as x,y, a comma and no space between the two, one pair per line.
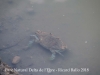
16,60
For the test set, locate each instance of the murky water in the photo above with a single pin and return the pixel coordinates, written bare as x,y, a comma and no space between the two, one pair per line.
76,22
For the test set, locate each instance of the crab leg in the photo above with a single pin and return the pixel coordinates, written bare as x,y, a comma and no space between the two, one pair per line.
36,38
53,55
59,53
29,45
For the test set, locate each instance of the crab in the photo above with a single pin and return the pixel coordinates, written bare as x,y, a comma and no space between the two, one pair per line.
49,42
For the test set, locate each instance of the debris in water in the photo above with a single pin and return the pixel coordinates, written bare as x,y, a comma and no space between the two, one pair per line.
16,60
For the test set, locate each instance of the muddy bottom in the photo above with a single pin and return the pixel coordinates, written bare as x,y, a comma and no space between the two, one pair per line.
75,22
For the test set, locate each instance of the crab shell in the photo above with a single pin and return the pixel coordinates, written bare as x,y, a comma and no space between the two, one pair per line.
48,41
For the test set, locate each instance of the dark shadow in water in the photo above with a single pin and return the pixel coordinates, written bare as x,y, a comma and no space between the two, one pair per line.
10,2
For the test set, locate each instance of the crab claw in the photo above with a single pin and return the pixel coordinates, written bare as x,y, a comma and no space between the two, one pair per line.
29,45
52,57
59,52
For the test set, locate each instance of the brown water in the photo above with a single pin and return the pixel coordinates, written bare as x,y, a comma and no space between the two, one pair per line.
76,22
